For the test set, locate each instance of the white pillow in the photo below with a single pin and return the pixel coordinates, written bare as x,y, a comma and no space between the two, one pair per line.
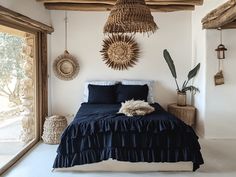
98,82
149,83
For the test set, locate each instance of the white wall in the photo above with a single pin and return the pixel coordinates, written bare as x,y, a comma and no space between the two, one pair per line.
30,8
199,55
85,40
220,100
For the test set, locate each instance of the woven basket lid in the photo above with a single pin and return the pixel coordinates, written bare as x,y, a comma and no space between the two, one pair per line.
130,16
55,117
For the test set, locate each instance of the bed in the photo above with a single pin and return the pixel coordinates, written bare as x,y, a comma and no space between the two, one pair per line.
98,134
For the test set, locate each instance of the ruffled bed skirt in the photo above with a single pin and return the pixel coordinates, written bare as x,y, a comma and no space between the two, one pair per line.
130,155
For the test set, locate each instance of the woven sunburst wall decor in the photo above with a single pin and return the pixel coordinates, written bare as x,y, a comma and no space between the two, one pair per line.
120,51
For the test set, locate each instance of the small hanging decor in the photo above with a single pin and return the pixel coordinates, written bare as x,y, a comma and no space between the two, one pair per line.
120,51
66,66
219,77
221,51
130,16
221,48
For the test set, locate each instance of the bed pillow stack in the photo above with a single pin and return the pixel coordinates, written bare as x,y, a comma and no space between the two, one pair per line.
111,92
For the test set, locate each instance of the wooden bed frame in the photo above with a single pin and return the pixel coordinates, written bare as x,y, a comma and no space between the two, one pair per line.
119,166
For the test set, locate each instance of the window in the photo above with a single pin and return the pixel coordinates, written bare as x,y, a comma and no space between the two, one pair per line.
23,84
17,92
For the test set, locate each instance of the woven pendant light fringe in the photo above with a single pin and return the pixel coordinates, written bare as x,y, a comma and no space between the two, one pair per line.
130,16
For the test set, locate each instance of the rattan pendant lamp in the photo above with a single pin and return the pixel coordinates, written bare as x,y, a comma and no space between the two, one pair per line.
130,16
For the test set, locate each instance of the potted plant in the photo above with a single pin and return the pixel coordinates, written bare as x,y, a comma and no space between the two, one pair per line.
181,91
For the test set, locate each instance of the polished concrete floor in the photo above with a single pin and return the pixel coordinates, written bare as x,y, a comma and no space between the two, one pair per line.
8,150
219,156
10,144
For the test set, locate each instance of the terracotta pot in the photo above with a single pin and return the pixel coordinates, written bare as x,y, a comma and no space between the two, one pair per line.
181,98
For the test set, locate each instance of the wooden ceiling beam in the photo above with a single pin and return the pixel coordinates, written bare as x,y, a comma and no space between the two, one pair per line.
107,7
171,8
78,6
112,2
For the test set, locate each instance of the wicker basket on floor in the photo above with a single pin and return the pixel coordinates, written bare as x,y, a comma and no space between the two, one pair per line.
53,128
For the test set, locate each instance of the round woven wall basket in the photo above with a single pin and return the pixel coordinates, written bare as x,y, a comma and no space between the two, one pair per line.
53,128
66,66
120,51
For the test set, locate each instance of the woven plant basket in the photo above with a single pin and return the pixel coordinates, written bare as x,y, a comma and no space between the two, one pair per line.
53,128
130,16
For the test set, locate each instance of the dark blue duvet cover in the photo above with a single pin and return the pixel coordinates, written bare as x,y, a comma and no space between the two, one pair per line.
98,133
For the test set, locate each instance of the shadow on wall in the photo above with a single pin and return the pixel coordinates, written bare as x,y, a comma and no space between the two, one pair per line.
199,125
163,94
200,121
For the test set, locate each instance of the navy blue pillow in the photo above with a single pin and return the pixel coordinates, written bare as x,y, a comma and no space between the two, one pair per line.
129,92
102,94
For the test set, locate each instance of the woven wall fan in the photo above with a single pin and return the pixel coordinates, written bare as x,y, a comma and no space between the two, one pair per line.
120,51
66,66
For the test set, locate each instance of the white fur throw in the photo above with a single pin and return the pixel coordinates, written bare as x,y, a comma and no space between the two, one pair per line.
132,108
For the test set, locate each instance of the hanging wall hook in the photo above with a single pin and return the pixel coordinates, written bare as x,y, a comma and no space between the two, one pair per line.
66,22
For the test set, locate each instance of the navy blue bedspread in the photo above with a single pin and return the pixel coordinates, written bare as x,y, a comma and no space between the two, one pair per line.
98,133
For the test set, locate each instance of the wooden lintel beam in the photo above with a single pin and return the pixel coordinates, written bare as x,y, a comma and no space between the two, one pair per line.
218,11
220,17
107,7
23,20
112,2
231,25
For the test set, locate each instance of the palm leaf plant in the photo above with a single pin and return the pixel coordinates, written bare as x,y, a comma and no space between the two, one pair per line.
185,86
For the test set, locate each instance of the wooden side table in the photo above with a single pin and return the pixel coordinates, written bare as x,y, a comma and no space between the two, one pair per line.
186,113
